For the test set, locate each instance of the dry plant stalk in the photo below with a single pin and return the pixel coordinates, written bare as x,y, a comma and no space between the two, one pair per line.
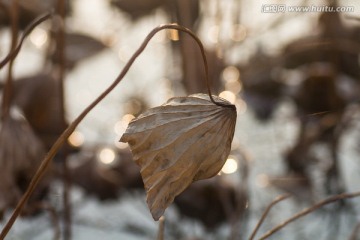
14,15
61,57
12,54
184,140
309,210
64,136
161,230
267,210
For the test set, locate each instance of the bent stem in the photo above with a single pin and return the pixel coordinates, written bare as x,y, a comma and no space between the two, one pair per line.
267,210
64,136
14,52
309,210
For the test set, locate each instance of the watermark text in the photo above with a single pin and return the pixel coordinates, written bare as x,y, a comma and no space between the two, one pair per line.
282,8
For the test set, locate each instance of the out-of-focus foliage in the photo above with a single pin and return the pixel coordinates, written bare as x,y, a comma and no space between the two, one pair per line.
20,155
29,10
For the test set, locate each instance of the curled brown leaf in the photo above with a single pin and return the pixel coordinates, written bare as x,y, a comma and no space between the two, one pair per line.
184,140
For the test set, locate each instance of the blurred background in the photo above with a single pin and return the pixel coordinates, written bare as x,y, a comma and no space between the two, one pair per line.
294,77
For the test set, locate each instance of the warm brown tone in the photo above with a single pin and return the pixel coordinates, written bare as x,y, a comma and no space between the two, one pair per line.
184,140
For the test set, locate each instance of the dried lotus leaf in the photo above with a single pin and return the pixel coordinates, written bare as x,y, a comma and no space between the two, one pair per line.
20,149
20,154
184,140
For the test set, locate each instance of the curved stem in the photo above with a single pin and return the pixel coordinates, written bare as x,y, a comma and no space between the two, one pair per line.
202,50
27,31
267,210
309,210
46,16
64,136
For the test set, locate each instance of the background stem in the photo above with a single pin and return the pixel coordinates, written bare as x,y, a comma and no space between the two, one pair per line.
267,210
8,88
14,52
60,56
309,210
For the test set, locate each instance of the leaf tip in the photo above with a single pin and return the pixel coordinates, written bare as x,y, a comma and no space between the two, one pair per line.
157,213
123,139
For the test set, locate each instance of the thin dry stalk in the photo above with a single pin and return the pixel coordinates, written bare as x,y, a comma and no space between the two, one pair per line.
54,217
241,193
69,130
161,230
13,53
61,59
309,210
267,210
14,15
60,50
